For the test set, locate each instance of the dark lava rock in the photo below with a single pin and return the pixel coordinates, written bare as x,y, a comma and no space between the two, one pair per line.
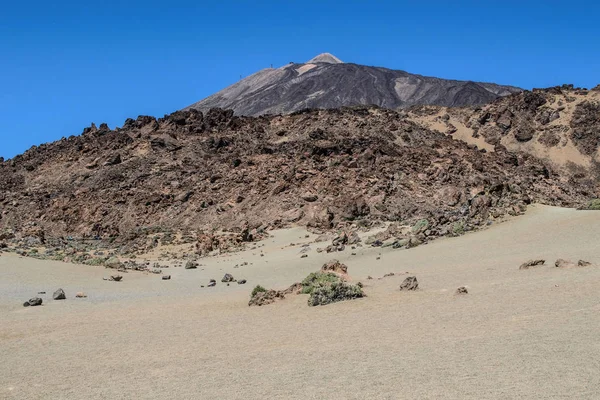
532,263
462,290
228,278
410,283
59,295
35,301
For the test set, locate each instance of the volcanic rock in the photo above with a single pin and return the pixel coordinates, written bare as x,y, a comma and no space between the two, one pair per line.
35,301
59,295
410,283
532,263
228,278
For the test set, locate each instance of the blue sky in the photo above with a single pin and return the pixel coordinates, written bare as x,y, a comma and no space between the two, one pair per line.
65,64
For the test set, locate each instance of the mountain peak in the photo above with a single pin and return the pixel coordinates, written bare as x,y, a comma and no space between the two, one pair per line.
325,58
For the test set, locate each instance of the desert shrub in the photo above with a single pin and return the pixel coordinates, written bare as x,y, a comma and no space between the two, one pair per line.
315,279
257,289
458,228
333,292
96,261
594,204
420,226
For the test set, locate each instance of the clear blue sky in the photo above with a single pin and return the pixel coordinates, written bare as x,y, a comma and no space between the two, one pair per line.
65,64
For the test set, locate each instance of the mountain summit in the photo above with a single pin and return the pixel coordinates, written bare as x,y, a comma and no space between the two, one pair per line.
325,58
327,82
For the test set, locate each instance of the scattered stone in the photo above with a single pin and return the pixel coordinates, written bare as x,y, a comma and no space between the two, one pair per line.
166,277
336,267
228,278
462,290
304,256
369,277
116,278
212,283
294,288
410,283
59,295
532,263
35,301
583,263
41,292
191,265
80,295
387,275
242,282
560,263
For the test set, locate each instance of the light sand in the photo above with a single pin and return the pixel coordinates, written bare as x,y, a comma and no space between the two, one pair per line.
517,334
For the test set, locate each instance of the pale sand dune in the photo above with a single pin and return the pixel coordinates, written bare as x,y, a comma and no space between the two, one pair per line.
522,334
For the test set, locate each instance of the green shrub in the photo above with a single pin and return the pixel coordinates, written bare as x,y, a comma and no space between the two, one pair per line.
315,279
330,293
458,228
420,226
594,204
96,261
258,289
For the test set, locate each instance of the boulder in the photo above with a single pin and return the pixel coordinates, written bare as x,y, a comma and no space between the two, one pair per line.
228,278
35,301
59,295
410,283
462,290
560,263
113,262
336,267
532,263
310,197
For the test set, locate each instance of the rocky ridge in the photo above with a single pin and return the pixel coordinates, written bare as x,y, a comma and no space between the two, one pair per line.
220,180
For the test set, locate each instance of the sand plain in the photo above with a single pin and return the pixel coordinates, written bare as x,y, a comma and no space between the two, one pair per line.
518,334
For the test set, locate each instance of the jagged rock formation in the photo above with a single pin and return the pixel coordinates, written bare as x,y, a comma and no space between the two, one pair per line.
559,124
197,174
327,82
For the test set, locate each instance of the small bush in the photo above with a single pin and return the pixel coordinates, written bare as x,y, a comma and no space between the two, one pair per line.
316,279
594,204
337,291
458,228
257,289
96,261
420,226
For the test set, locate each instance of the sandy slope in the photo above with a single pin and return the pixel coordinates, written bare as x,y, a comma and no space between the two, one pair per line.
518,334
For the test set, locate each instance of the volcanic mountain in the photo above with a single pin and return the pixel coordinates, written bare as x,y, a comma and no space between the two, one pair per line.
327,82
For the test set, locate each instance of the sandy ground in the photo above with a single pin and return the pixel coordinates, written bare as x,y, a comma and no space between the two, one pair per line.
518,334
